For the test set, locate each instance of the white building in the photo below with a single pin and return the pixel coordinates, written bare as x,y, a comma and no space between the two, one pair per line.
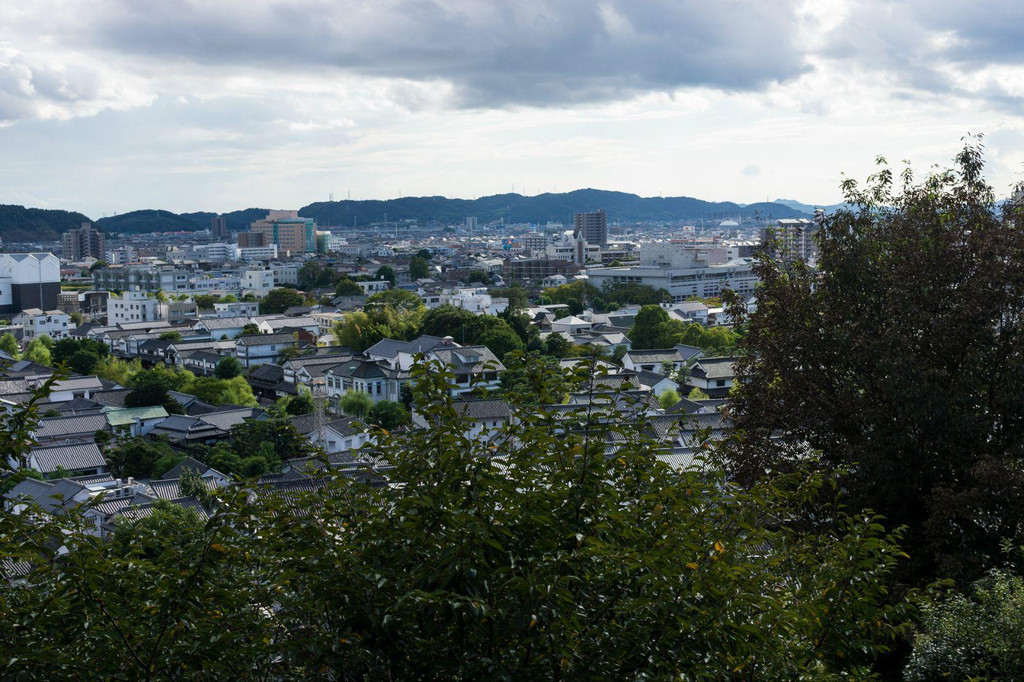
36,323
374,286
475,300
683,270
133,306
28,280
259,281
287,273
122,255
256,253
236,309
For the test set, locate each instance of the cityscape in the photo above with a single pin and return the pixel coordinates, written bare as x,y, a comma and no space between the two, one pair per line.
322,358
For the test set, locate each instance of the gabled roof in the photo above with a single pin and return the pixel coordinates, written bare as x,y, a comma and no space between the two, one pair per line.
69,457
170,488
264,339
112,398
482,409
468,358
53,428
125,416
211,323
390,348
357,368
655,355
228,418
714,368
189,464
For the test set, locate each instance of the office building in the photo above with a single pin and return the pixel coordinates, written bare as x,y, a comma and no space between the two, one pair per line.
290,233
28,280
252,240
471,224
593,227
219,227
84,242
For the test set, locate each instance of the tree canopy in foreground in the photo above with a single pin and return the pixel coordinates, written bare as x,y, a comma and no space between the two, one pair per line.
564,548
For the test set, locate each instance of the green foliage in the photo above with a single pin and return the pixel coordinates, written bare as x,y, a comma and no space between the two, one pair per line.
313,274
299,404
557,346
419,268
234,391
976,636
386,272
576,295
668,398
64,349
9,345
468,329
20,224
278,437
279,300
170,336
166,462
191,485
697,394
900,360
392,314
355,403
534,379
117,370
388,414
249,329
38,352
288,353
137,457
478,277
556,561
83,361
228,368
347,287
17,477
653,328
150,388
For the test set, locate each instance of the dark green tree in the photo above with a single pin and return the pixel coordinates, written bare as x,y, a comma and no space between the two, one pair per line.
136,457
346,287
419,268
279,300
899,360
228,368
386,272
388,415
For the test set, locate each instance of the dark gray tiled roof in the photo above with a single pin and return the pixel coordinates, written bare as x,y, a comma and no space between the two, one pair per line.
70,457
655,355
86,425
482,409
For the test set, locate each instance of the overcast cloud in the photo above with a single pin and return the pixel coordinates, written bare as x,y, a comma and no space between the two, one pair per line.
112,105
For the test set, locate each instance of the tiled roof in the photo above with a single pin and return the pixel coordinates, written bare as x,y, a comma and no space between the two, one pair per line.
483,409
62,427
225,420
715,368
78,384
127,415
69,457
264,339
655,355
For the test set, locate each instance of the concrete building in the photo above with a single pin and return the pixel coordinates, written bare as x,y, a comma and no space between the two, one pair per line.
133,306
28,280
260,253
35,323
291,234
286,273
593,227
219,227
122,255
259,281
682,270
248,240
142,278
792,239
84,242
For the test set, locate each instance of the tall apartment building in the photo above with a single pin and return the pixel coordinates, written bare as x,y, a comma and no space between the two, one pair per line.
28,280
792,239
219,227
288,231
84,242
593,227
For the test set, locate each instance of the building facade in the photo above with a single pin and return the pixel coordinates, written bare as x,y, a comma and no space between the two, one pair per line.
84,242
288,231
133,306
219,227
28,280
593,227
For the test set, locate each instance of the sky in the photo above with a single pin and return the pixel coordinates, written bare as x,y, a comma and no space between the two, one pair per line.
107,106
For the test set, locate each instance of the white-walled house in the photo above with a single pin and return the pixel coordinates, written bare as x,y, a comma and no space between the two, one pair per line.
35,323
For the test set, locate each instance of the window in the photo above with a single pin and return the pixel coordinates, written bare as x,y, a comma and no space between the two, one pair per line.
720,382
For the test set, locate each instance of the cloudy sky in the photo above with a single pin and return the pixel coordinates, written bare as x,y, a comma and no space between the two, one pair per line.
112,105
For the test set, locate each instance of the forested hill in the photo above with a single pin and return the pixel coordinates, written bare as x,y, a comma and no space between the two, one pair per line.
20,224
30,224
516,208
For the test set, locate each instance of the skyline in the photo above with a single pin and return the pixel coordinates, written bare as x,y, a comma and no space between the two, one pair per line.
219,107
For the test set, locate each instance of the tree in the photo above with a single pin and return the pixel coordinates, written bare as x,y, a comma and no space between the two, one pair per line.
279,300
899,361
98,264
478,277
228,368
173,335
302,403
281,438
386,272
500,338
449,320
83,361
250,328
289,353
424,254
191,485
117,370
37,352
136,457
64,349
518,299
697,394
972,636
388,415
649,328
544,556
9,345
355,403
399,299
313,274
234,391
346,287
419,268
668,398
557,346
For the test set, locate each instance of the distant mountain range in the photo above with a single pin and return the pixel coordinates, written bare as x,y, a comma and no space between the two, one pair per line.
29,224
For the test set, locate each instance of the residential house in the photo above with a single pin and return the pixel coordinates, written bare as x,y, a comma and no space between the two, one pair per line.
714,376
258,349
664,361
